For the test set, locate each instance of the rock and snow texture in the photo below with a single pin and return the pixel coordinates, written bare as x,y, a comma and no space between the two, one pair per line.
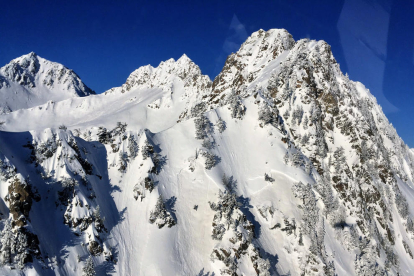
243,67
280,166
167,76
30,80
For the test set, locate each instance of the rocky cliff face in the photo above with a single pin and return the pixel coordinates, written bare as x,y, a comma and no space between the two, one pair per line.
281,166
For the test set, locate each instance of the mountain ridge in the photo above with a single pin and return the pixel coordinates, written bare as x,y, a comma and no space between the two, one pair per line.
280,166
184,68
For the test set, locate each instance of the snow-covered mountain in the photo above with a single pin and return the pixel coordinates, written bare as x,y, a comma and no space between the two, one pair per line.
166,76
280,166
30,80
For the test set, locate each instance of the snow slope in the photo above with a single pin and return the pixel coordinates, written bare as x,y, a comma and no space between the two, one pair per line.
280,166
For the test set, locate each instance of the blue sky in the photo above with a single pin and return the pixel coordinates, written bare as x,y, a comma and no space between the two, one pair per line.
104,41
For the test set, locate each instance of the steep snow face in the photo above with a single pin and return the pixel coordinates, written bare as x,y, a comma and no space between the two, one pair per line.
283,166
30,80
166,75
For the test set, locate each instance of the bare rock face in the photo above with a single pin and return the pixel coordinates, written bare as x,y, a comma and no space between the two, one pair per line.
94,248
19,245
20,202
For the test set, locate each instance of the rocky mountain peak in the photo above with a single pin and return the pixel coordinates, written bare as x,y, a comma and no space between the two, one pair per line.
30,80
165,75
184,58
29,61
30,70
21,70
263,46
242,67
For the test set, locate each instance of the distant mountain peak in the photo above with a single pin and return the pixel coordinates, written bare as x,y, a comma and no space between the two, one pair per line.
184,58
38,80
29,56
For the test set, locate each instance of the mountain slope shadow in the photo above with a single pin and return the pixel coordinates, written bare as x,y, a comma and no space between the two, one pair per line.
102,185
54,236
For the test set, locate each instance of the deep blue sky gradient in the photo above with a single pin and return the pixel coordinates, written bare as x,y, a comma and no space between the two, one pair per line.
104,41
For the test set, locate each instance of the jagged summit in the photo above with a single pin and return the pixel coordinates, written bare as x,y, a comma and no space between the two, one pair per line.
254,54
31,55
242,67
30,80
165,75
22,70
26,60
263,46
185,57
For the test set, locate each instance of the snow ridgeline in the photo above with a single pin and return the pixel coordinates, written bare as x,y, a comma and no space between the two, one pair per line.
281,165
